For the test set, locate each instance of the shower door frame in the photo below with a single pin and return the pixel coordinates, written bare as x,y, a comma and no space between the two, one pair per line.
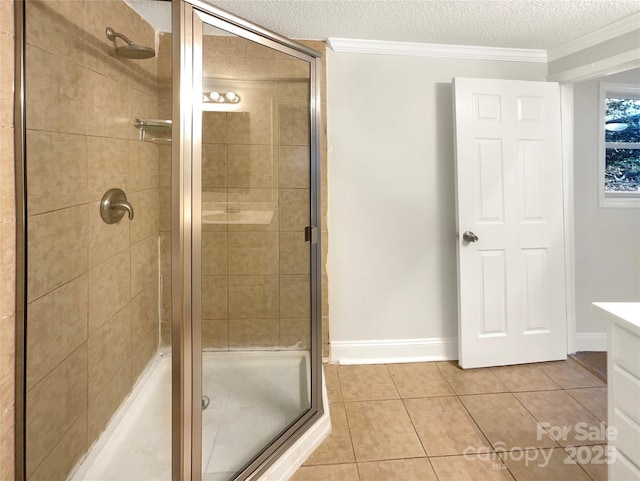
187,19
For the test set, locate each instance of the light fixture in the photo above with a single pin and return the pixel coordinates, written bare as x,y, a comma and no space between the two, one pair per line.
221,98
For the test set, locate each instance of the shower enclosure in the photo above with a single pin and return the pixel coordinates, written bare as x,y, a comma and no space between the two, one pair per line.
172,264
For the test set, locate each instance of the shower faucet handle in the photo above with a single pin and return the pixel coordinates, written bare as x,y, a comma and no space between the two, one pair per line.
113,206
123,206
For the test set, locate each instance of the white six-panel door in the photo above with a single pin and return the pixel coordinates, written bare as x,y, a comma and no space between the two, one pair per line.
511,281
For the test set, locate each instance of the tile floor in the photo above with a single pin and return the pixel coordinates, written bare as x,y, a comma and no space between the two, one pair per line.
436,422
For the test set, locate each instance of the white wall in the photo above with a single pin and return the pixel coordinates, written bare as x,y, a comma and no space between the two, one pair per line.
392,262
607,244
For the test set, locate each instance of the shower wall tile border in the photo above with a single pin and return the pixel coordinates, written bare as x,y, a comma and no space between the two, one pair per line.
7,242
6,78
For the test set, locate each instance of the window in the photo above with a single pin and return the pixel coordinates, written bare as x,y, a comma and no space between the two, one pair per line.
619,145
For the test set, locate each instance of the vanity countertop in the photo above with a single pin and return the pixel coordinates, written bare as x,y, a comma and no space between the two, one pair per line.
627,311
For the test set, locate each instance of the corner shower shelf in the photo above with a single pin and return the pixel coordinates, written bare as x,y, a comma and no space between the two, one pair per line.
154,130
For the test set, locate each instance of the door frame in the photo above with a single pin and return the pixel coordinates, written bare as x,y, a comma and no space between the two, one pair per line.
567,81
566,142
187,20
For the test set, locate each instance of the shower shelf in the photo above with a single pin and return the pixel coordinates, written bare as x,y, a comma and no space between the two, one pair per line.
154,130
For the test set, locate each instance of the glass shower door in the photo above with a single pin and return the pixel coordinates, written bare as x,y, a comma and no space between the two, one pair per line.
252,221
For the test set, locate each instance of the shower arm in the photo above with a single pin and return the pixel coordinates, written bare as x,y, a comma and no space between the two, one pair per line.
111,35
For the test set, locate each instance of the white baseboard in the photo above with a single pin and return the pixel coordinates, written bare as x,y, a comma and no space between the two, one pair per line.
430,349
394,350
591,341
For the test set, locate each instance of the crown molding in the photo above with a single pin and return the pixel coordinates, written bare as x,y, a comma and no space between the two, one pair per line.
348,45
613,30
608,66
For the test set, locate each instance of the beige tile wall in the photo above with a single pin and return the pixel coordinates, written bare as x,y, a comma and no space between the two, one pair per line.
92,287
93,345
255,276
7,241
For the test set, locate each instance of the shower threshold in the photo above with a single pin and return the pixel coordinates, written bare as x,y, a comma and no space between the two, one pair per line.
253,396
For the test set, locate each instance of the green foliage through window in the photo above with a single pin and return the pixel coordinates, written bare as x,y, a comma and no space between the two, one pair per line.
622,142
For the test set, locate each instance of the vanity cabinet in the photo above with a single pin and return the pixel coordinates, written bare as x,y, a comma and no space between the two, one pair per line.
623,387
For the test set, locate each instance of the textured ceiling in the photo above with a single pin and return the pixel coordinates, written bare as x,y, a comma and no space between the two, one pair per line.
537,24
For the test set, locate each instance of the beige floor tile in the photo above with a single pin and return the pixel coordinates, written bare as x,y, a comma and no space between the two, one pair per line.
419,380
333,384
485,467
505,422
569,374
382,430
524,377
416,469
329,472
543,465
594,399
470,381
366,383
444,426
336,448
563,415
593,459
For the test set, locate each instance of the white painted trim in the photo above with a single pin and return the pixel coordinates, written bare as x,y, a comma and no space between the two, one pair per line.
566,113
350,45
613,30
394,350
605,201
591,341
287,464
608,66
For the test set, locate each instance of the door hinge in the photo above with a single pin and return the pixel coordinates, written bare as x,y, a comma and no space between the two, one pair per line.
311,234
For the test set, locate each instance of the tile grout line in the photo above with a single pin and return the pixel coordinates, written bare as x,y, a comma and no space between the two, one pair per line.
353,450
465,408
606,421
497,455
459,397
419,439
426,455
552,448
580,464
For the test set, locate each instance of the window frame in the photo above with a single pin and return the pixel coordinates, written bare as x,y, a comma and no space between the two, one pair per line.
612,199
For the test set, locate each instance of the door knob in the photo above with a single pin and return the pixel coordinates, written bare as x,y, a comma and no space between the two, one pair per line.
113,206
469,236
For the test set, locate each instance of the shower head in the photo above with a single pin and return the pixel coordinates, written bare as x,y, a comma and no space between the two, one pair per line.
135,51
130,50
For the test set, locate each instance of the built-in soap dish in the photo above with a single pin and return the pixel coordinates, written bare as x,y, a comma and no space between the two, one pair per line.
154,130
